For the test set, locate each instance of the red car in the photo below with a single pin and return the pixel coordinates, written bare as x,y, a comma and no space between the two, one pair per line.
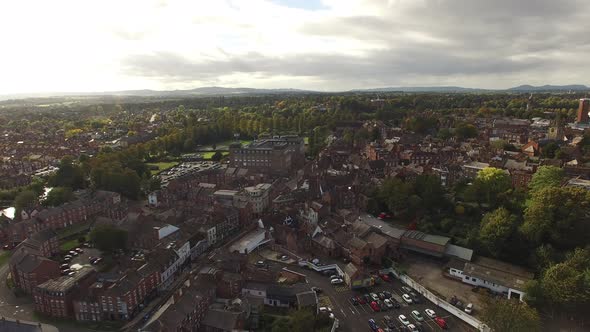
441,322
384,215
375,306
385,277
360,299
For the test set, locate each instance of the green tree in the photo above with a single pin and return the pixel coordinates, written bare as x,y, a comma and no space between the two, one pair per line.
24,199
58,195
217,156
108,238
302,321
490,183
546,176
69,174
507,315
495,230
465,130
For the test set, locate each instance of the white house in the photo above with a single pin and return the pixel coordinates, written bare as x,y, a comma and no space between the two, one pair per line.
498,276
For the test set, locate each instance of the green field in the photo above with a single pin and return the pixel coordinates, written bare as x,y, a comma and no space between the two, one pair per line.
224,145
69,245
4,257
162,166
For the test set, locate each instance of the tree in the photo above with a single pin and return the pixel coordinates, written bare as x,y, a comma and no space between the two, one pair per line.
58,195
465,130
69,174
510,315
217,156
559,216
489,183
108,238
24,199
302,321
495,230
546,176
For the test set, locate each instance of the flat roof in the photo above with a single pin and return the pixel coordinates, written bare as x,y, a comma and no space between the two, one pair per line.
64,283
383,226
245,241
459,252
505,274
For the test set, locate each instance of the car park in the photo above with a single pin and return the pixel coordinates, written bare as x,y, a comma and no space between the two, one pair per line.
373,325
417,316
407,298
375,306
403,319
430,313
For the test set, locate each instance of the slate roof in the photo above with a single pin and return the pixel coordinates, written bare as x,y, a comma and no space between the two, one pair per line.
221,319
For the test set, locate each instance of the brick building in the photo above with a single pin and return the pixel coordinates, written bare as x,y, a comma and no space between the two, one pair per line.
274,156
30,269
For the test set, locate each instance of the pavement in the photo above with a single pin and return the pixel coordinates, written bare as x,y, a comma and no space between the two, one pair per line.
355,317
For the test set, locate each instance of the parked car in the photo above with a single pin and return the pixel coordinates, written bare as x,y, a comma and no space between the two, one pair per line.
64,266
72,273
375,306
65,272
7,247
441,322
416,314
381,296
373,325
336,281
97,261
385,277
387,294
335,276
388,303
67,258
407,298
325,309
406,289
259,264
469,308
367,298
403,319
73,253
374,296
79,250
315,261
415,297
412,328
430,313
361,299
354,301
284,258
328,272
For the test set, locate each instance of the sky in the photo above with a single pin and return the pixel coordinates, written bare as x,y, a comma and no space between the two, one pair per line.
324,45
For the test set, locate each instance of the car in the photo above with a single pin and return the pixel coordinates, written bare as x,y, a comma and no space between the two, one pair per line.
373,325
380,330
459,304
259,264
71,274
79,250
416,314
441,322
68,256
315,261
412,328
415,297
469,308
388,303
354,301
387,294
67,259
407,298
335,276
385,277
374,296
367,298
361,299
381,296
284,258
98,260
403,319
336,281
325,309
375,306
430,313
395,303
65,271
406,289
64,266
316,289
7,247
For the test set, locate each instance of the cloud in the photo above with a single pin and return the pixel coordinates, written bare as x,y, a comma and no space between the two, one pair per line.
328,45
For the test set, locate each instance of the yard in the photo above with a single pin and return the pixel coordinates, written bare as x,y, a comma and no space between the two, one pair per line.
161,166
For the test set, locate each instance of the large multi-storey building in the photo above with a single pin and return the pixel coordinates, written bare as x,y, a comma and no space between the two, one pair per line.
274,156
583,110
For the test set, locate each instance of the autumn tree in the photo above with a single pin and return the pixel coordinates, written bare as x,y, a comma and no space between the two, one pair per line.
510,315
495,230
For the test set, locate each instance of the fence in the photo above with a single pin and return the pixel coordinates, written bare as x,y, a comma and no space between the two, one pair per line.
440,302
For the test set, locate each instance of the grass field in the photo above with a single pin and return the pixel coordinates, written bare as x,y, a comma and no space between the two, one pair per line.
162,166
69,245
224,145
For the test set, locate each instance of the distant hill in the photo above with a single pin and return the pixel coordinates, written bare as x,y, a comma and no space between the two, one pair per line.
571,87
422,89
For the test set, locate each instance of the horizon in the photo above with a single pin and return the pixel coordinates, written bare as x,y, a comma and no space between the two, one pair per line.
317,45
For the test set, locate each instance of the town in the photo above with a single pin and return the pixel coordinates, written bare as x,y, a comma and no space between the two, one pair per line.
351,215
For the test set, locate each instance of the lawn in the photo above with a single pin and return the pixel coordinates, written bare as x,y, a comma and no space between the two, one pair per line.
69,245
161,166
4,257
73,230
224,145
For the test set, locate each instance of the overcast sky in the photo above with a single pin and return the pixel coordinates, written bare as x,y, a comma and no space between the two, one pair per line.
326,45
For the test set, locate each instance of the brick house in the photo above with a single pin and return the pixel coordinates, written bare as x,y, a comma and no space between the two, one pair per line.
29,269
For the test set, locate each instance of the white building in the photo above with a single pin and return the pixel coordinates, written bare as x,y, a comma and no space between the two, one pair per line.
258,196
498,276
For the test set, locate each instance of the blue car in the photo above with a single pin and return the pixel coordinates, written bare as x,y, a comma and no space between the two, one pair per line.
373,325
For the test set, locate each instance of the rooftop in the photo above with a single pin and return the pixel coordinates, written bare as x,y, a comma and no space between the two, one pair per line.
500,272
65,283
383,226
